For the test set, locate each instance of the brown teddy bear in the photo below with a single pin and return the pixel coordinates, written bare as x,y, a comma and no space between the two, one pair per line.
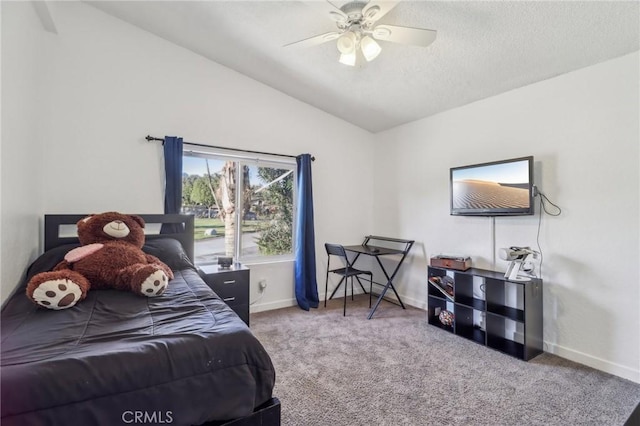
111,256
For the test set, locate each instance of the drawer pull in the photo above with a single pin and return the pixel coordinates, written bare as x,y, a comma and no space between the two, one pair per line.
229,299
229,282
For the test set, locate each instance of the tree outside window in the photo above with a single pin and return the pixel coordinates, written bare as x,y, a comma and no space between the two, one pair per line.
242,209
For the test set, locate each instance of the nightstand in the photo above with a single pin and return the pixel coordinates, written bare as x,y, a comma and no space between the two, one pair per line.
231,285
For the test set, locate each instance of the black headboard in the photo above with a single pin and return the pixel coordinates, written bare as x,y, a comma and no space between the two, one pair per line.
52,223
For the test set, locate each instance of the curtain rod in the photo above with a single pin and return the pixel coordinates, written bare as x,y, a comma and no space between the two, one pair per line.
151,138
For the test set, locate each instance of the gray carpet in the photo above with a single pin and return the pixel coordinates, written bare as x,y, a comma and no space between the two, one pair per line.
396,369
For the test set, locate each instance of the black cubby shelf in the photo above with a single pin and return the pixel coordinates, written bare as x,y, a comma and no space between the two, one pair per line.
436,322
471,302
441,292
506,311
507,346
506,316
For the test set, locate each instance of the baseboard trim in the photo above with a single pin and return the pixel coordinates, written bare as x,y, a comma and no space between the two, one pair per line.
416,303
285,303
594,362
269,306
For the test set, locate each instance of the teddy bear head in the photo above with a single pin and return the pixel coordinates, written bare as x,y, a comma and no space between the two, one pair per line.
111,226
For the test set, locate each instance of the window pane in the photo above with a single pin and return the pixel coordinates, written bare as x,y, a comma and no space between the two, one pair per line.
267,215
203,181
263,202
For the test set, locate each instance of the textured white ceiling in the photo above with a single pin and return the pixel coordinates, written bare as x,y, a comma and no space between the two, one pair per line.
483,48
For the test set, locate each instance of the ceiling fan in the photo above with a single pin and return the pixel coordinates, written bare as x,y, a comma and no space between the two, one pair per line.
358,30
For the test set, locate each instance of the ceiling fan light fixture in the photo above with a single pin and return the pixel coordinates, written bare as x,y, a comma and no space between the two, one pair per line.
359,31
348,59
347,43
370,49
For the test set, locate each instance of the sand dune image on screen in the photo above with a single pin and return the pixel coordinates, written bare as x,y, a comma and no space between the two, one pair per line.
480,194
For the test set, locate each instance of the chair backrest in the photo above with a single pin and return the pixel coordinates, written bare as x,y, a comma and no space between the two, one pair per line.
337,250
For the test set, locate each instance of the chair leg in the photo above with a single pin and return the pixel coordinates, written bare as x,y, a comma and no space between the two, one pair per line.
351,288
344,307
326,287
370,289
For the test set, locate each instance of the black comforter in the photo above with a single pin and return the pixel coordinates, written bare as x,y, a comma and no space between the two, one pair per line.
181,358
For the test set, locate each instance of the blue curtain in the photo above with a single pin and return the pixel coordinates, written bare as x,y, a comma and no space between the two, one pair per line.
305,267
173,180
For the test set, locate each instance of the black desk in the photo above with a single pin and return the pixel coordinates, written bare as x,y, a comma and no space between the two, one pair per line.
377,251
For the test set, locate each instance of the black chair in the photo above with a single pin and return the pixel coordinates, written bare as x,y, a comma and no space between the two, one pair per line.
346,271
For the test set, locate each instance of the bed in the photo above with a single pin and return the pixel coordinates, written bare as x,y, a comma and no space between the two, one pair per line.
183,358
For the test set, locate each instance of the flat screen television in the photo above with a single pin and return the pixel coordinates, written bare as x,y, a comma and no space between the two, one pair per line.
498,188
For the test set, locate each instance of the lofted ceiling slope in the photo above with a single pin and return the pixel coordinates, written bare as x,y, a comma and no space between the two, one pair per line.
483,48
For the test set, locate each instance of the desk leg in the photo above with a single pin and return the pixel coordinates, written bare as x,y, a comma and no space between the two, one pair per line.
386,287
360,282
355,259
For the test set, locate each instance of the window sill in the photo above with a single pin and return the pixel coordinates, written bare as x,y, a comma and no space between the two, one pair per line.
272,260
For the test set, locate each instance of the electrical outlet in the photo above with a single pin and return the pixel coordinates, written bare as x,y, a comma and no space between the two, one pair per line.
262,284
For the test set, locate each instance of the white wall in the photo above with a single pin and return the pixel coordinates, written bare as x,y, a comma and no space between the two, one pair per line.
108,84
582,129
21,153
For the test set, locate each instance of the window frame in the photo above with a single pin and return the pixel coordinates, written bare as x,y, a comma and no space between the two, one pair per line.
257,160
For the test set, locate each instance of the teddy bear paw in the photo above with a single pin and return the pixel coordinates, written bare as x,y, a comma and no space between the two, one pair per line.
155,284
57,294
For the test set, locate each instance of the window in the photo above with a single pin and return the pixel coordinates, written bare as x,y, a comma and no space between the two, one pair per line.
243,207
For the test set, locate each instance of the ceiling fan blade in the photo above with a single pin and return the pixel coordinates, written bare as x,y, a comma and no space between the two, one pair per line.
405,35
375,10
315,40
328,9
335,13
